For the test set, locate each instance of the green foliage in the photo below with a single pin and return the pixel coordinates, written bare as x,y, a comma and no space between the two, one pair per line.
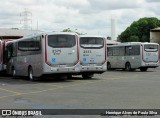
67,30
133,38
109,38
139,30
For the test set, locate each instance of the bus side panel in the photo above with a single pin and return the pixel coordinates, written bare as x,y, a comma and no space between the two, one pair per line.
24,62
22,59
113,62
134,61
36,63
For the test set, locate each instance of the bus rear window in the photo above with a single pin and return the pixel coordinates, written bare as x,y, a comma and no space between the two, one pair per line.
61,41
91,42
151,47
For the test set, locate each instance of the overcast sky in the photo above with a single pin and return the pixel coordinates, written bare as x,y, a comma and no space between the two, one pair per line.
84,16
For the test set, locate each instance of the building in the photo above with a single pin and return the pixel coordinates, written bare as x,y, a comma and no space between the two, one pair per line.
155,35
15,33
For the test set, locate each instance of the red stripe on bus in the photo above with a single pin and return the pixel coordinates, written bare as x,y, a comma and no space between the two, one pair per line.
46,50
77,51
105,51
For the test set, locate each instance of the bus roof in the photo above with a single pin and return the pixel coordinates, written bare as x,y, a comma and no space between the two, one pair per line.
54,33
91,36
40,34
132,43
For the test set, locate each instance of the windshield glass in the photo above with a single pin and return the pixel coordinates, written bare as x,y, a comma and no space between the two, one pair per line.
61,41
151,47
95,42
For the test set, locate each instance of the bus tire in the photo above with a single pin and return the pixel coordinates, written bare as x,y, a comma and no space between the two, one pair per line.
128,66
143,69
108,66
13,73
64,77
30,74
69,76
87,76
133,69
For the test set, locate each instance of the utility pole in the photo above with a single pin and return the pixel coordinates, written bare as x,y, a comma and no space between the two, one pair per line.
26,20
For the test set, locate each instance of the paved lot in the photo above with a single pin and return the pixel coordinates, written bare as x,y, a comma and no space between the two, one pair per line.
110,90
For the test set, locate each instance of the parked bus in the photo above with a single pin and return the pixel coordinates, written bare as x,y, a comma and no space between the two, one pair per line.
92,55
133,55
43,54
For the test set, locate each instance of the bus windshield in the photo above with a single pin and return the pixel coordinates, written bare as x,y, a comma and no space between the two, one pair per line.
89,42
61,41
151,47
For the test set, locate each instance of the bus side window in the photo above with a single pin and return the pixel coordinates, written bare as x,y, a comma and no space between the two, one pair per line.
126,50
110,51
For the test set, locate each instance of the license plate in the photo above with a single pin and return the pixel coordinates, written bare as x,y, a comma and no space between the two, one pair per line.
62,66
92,65
53,69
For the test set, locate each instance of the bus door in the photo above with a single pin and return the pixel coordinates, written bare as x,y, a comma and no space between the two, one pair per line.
92,51
5,53
9,53
62,50
120,56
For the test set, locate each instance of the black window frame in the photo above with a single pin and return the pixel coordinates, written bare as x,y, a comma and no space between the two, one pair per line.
132,50
34,40
91,44
61,35
23,52
154,49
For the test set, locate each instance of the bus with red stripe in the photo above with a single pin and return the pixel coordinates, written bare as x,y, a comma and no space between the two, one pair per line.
92,55
133,55
48,54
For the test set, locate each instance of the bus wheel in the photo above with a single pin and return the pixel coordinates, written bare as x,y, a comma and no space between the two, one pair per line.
143,69
13,73
30,74
108,66
128,67
69,76
133,69
87,76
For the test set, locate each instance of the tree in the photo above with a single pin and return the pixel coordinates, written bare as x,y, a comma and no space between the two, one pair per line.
109,38
133,38
139,30
67,30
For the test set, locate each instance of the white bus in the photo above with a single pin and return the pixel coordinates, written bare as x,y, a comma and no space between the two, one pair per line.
43,54
92,55
133,55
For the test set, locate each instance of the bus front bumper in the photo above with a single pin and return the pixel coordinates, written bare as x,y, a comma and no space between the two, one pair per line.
93,68
150,65
56,70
